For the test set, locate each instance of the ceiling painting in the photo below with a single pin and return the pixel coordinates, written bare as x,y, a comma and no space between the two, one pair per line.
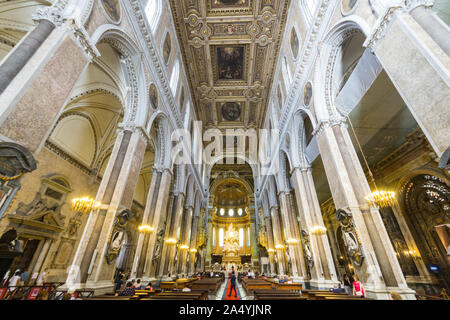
230,49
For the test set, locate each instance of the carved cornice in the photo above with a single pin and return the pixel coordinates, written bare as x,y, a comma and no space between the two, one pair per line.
53,14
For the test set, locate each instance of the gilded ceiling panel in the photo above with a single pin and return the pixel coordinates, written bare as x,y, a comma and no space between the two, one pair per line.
226,45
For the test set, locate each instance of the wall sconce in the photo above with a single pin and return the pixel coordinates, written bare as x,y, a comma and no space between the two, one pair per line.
145,228
84,205
193,250
279,247
171,241
184,247
270,250
318,230
291,241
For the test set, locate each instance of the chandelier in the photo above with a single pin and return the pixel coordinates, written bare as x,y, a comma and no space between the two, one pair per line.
84,205
145,228
378,198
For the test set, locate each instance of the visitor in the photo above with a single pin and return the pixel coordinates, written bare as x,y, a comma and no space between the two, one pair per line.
132,283
337,288
358,288
128,291
348,287
138,284
24,277
395,296
43,277
14,281
119,282
276,280
149,287
187,289
233,284
67,296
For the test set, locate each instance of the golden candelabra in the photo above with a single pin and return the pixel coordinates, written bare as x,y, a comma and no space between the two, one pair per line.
291,241
193,250
171,241
184,247
145,228
84,205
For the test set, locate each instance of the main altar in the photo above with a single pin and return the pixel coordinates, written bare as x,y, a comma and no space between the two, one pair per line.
231,247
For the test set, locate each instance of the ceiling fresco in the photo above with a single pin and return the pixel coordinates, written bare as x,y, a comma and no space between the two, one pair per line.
230,49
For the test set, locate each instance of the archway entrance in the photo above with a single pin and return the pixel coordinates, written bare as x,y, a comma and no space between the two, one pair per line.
427,210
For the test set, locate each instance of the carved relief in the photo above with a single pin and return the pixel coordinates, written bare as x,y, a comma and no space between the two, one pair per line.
118,236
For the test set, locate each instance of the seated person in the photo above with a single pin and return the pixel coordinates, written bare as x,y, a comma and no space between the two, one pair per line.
187,289
128,291
337,288
276,280
138,285
149,286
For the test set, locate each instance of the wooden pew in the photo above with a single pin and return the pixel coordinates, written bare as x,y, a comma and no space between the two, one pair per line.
210,284
250,285
275,294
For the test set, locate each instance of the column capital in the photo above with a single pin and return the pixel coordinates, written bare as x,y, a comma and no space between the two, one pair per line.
53,14
303,168
328,123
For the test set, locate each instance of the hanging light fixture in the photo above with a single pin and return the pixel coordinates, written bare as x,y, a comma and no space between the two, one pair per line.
144,228
84,205
378,198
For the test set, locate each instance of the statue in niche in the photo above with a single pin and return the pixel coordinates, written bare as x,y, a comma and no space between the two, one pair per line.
307,252
158,244
117,235
350,236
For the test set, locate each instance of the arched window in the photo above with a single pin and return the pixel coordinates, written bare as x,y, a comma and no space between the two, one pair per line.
153,12
221,237
174,77
241,237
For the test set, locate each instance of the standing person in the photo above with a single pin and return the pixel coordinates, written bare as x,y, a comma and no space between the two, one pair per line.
233,284
348,284
43,277
24,277
14,281
358,288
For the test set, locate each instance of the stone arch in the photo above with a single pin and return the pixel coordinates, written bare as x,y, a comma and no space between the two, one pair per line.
299,137
161,135
137,78
324,93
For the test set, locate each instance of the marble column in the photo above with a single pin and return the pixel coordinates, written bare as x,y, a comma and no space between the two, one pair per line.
380,269
160,209
37,94
185,240
115,193
193,244
27,47
278,238
174,231
143,239
291,232
419,68
270,244
166,247
323,273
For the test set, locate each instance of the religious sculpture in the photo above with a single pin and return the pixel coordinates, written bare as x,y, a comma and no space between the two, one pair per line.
118,235
350,236
231,243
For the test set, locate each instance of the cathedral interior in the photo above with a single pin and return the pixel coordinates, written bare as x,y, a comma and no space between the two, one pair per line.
286,144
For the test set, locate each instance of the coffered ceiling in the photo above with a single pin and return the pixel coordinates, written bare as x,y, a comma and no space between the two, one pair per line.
230,48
